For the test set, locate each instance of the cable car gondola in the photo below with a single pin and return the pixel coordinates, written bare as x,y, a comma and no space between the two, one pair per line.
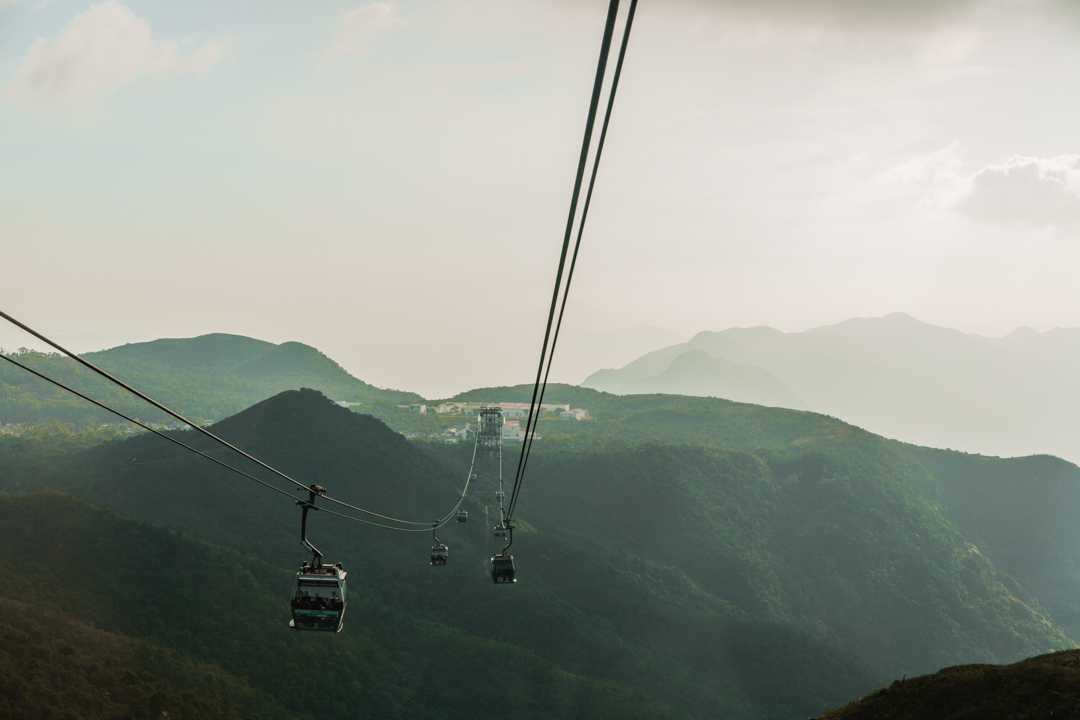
440,554
499,495
502,568
318,599
319,592
499,532
462,516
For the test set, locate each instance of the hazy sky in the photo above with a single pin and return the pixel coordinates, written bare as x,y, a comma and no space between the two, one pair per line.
388,181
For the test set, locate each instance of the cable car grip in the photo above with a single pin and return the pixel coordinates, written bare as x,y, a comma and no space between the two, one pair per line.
313,492
509,536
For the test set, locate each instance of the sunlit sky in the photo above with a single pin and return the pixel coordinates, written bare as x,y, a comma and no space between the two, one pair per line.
389,181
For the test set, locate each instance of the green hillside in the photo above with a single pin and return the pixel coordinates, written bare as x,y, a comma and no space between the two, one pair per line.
911,558
53,666
582,604
189,599
1047,686
203,378
665,540
839,540
1022,513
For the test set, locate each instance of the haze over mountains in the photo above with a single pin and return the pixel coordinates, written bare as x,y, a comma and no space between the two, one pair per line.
893,375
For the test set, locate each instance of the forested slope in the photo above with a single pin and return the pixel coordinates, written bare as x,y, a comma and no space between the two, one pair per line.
204,378
186,599
666,540
54,666
589,608
909,557
1047,686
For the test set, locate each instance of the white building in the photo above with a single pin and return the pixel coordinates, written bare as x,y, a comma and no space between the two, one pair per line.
522,409
577,414
511,431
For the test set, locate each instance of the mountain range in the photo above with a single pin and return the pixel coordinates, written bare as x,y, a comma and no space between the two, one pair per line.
634,635
679,556
893,375
205,378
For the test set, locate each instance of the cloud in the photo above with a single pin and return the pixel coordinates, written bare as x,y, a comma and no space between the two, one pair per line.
935,176
1027,190
859,11
1039,191
357,26
98,52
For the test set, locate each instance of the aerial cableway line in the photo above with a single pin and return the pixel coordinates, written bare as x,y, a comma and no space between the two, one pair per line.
319,595
546,354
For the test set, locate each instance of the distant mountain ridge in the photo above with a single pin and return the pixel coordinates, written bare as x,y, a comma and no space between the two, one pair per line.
897,377
695,372
206,378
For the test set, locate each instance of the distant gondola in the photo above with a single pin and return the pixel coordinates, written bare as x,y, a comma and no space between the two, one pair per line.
498,532
440,554
318,598
502,569
462,516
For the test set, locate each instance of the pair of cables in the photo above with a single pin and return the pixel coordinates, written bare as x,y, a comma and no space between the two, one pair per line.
547,354
551,332
422,526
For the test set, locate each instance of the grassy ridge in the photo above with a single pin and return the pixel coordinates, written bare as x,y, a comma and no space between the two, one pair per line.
1047,686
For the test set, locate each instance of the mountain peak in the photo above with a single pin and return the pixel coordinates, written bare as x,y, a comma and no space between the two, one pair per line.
1021,333
897,317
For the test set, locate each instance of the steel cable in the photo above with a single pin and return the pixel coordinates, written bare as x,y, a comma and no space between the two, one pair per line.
541,387
212,459
178,416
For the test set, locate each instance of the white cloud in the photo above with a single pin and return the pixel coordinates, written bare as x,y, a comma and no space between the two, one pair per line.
99,51
935,176
357,26
1038,191
1028,190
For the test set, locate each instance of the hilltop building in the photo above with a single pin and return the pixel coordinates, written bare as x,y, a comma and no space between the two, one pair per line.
510,409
